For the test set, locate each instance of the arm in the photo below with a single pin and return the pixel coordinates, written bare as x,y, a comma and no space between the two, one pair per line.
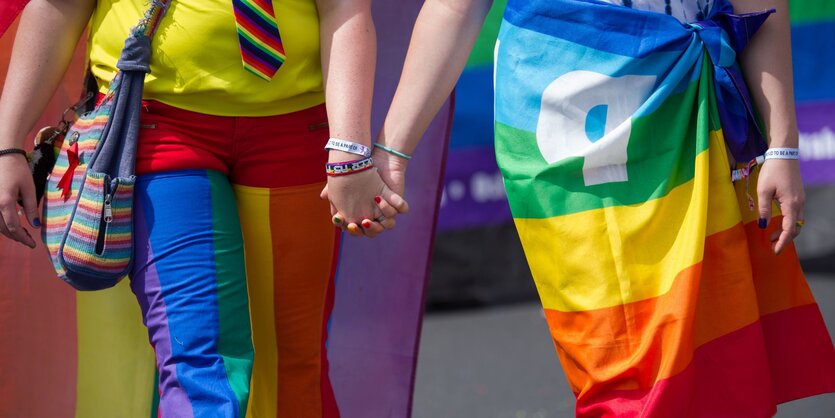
349,52
47,36
767,63
444,34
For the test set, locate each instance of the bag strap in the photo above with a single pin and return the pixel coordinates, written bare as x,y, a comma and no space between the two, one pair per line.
149,23
116,153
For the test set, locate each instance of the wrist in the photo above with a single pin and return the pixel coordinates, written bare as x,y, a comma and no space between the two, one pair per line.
11,153
336,156
388,162
785,153
784,141
344,168
6,141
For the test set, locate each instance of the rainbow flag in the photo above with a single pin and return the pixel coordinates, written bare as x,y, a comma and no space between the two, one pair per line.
77,354
613,131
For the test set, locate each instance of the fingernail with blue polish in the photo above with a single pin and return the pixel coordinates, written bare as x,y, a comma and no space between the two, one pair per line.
762,223
36,222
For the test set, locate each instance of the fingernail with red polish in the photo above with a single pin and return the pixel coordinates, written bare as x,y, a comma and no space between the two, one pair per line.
378,199
762,223
366,224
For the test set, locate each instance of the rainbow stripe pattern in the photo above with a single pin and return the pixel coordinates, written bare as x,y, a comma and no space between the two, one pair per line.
280,262
196,263
75,232
661,294
106,245
261,47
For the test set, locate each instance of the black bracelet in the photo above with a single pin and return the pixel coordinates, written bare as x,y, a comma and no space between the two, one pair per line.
13,151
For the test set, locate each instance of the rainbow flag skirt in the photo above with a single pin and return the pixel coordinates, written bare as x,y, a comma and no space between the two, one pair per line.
616,132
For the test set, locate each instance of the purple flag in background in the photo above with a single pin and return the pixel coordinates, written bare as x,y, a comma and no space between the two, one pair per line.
379,298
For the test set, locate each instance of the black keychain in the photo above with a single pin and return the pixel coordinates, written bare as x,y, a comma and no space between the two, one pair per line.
47,141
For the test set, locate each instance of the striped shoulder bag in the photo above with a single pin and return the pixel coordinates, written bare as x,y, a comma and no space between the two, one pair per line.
88,211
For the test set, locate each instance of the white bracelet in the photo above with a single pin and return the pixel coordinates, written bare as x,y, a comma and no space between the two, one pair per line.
782,154
348,146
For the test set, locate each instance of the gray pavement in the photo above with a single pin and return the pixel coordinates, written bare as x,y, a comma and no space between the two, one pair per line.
499,362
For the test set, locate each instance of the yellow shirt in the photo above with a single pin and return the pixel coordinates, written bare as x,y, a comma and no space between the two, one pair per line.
196,59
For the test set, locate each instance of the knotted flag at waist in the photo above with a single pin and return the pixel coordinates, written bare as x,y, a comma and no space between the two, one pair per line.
614,128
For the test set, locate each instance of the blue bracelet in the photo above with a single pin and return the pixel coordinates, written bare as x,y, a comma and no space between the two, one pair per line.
393,151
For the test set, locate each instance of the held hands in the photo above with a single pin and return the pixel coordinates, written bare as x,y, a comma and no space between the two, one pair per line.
779,180
366,203
16,184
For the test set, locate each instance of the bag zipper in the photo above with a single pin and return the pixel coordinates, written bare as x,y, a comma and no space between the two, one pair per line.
106,218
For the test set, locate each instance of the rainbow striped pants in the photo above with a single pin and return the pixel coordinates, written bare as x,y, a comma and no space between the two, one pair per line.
235,255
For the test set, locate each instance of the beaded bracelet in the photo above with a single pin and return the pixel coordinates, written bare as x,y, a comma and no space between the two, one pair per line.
348,167
782,154
393,151
348,146
8,151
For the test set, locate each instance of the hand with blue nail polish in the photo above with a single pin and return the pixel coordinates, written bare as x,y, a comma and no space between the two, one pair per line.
779,181
16,184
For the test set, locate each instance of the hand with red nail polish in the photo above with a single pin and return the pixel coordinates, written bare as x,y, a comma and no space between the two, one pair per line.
360,203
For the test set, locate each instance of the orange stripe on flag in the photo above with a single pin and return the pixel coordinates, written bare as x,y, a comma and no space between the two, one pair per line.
611,347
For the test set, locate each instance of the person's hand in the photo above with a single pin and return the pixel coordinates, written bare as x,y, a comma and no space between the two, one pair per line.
362,204
16,184
392,170
780,180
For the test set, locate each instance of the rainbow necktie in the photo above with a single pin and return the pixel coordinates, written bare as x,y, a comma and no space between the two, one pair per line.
261,47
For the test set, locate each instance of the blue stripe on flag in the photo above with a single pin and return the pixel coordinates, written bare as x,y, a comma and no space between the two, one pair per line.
647,32
524,61
813,48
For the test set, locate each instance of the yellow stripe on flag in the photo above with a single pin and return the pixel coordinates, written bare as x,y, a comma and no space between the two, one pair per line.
638,249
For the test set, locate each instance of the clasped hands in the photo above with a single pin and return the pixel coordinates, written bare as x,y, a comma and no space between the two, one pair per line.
367,203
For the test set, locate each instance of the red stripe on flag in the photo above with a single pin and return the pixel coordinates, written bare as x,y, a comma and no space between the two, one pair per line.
9,10
801,355
786,356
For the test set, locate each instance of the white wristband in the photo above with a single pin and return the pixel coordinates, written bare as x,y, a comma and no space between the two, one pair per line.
782,154
348,146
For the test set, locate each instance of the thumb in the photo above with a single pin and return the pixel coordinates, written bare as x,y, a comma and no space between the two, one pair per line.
30,206
764,199
324,194
395,200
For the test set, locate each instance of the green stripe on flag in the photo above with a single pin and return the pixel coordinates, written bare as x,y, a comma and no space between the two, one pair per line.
482,54
657,162
811,11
